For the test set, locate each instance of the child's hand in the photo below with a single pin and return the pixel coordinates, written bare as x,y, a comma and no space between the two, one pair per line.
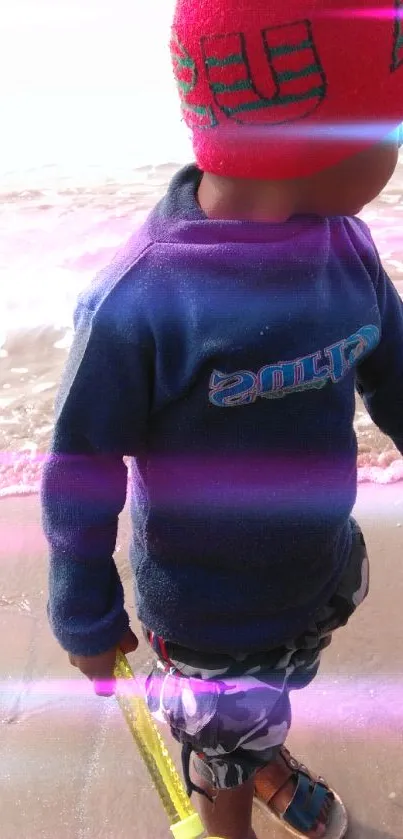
99,668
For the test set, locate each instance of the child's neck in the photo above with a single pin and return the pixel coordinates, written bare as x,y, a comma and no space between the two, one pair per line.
247,200
341,190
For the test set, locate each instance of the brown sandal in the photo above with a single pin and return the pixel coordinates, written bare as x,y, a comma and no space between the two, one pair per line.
303,811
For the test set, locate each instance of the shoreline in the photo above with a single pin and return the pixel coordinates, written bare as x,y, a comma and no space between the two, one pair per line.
63,232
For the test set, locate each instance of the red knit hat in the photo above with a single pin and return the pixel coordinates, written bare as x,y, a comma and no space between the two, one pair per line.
284,88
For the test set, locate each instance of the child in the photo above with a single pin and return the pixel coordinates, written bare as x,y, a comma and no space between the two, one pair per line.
221,351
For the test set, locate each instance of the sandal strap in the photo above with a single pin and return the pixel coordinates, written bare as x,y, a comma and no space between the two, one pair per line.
299,768
268,787
305,808
310,794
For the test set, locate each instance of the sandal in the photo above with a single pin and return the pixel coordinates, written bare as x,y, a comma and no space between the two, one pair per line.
303,811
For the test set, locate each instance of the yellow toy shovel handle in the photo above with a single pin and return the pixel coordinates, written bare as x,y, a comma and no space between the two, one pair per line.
184,820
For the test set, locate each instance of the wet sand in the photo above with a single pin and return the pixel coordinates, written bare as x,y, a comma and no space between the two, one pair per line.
68,765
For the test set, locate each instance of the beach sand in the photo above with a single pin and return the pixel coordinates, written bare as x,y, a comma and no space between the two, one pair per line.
69,767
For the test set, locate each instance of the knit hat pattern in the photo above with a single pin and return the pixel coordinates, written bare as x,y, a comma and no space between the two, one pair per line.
279,89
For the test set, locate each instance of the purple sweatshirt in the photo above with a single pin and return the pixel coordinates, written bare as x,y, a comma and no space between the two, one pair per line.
222,357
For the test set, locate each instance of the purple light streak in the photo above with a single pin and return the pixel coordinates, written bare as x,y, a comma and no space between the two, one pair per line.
372,706
371,13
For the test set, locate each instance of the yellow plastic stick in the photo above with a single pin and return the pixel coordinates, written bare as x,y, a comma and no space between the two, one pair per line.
184,820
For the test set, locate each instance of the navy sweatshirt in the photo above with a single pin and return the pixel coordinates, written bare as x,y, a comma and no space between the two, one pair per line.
222,357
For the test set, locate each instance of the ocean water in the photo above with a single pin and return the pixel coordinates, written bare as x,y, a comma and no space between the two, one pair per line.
58,229
58,226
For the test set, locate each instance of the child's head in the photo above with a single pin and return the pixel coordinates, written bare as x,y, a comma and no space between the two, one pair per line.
302,97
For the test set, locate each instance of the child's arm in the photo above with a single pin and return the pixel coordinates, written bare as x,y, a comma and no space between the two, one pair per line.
380,375
102,415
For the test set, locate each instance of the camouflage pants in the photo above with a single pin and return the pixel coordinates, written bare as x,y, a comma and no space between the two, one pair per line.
235,713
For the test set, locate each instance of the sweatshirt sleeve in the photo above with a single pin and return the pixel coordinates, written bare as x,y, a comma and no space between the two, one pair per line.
101,416
380,375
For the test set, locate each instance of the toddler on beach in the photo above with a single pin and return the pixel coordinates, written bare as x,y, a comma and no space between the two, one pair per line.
221,351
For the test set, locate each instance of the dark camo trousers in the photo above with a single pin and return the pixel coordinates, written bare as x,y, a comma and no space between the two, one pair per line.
235,713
